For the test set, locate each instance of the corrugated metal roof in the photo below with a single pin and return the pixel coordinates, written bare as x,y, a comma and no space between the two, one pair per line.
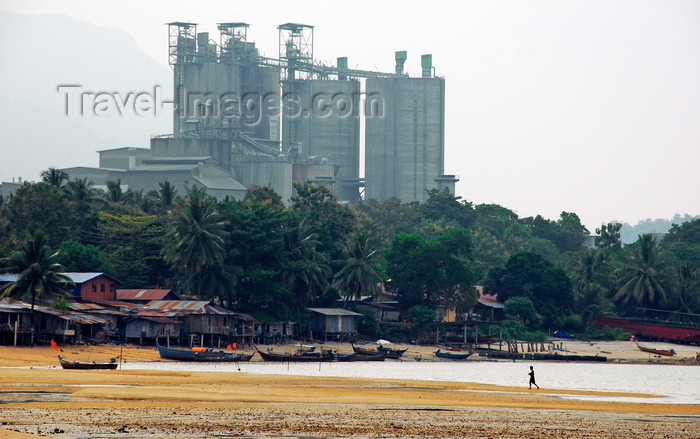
183,307
334,312
78,317
82,306
118,304
77,278
148,294
80,278
7,305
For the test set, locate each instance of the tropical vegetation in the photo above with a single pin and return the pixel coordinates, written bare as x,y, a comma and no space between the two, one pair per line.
272,259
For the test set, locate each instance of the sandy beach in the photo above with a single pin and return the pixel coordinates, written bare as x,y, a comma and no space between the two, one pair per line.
40,398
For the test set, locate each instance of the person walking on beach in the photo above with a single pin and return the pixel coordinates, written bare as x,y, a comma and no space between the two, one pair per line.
532,378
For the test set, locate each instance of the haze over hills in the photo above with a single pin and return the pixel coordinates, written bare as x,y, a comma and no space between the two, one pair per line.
41,52
630,233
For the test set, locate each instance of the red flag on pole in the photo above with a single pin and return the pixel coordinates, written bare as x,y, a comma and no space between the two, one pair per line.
53,343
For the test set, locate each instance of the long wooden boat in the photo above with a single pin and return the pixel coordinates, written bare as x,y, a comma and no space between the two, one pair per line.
667,352
381,350
202,355
391,353
302,357
453,355
87,365
346,357
362,357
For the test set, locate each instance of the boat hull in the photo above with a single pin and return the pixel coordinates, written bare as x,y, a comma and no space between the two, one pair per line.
452,355
666,352
79,365
294,358
201,356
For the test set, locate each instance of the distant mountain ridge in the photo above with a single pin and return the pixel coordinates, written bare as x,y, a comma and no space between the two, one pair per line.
41,52
630,233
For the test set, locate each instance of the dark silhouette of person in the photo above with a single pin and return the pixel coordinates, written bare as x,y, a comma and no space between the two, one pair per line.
532,378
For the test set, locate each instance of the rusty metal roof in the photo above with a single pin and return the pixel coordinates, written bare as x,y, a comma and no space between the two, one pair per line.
173,308
123,306
78,317
147,294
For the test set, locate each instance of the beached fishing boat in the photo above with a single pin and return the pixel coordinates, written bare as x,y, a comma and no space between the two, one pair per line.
86,365
667,352
299,357
453,355
346,357
381,350
391,353
362,357
201,354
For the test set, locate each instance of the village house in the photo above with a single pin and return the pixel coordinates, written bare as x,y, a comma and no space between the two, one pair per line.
333,322
90,286
49,323
195,321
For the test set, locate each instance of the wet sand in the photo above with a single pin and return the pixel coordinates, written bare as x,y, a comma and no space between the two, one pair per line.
136,403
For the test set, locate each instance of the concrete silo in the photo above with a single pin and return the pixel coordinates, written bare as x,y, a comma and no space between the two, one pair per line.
320,120
404,134
222,86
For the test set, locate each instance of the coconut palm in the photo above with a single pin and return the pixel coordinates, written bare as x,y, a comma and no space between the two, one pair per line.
588,267
54,177
643,273
38,274
306,271
83,193
687,286
357,276
196,243
589,275
114,193
139,200
165,196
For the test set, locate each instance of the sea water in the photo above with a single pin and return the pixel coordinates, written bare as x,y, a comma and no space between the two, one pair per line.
672,384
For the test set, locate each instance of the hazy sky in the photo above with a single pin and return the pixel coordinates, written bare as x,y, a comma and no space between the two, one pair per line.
591,107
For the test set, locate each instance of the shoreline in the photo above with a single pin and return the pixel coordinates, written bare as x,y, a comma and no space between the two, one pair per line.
40,399
614,351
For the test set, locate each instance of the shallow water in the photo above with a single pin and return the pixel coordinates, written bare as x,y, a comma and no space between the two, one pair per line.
675,384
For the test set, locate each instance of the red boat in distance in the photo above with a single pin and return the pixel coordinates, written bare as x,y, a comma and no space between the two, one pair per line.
667,352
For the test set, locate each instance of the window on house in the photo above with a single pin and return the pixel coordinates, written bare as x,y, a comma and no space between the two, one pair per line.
112,288
94,288
102,288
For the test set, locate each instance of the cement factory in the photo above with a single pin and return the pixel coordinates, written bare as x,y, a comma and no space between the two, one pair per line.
241,119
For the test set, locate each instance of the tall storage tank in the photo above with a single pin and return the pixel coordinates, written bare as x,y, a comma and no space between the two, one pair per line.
404,137
228,91
321,119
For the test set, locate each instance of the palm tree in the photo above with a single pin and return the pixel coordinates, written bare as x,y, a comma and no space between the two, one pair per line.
643,273
54,177
83,193
686,284
139,200
196,243
306,272
358,277
114,193
166,194
589,276
38,273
